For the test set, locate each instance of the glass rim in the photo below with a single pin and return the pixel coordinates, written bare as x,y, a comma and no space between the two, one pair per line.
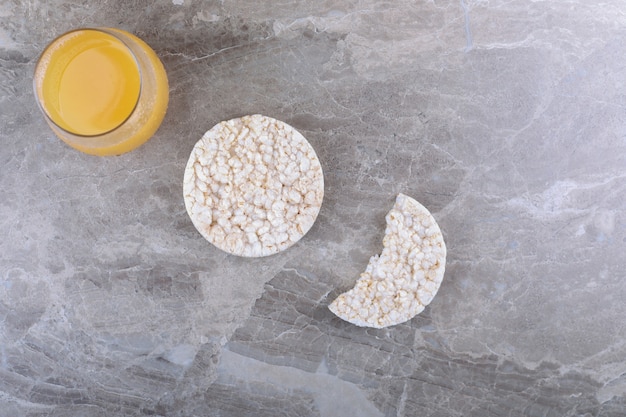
37,79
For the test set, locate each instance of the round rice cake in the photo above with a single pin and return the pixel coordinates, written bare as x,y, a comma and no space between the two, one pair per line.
253,186
398,284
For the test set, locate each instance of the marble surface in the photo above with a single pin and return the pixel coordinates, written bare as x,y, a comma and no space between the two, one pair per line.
507,119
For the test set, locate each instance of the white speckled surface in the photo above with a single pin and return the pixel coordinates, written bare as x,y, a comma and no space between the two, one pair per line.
506,119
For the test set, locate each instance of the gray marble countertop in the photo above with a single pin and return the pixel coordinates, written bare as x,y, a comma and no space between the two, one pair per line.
507,119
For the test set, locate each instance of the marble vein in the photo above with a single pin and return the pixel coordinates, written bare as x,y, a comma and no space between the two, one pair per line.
332,395
469,43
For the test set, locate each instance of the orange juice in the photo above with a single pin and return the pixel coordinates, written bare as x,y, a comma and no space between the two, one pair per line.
103,91
98,87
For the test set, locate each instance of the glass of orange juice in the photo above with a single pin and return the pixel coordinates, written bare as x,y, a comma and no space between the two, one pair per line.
103,91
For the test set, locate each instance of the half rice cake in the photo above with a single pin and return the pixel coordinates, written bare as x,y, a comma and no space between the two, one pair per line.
253,186
398,284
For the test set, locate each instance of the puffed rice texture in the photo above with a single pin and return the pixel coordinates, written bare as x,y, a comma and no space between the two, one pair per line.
398,284
253,186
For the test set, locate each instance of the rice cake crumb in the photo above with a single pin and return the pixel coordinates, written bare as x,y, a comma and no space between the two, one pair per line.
398,284
253,186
